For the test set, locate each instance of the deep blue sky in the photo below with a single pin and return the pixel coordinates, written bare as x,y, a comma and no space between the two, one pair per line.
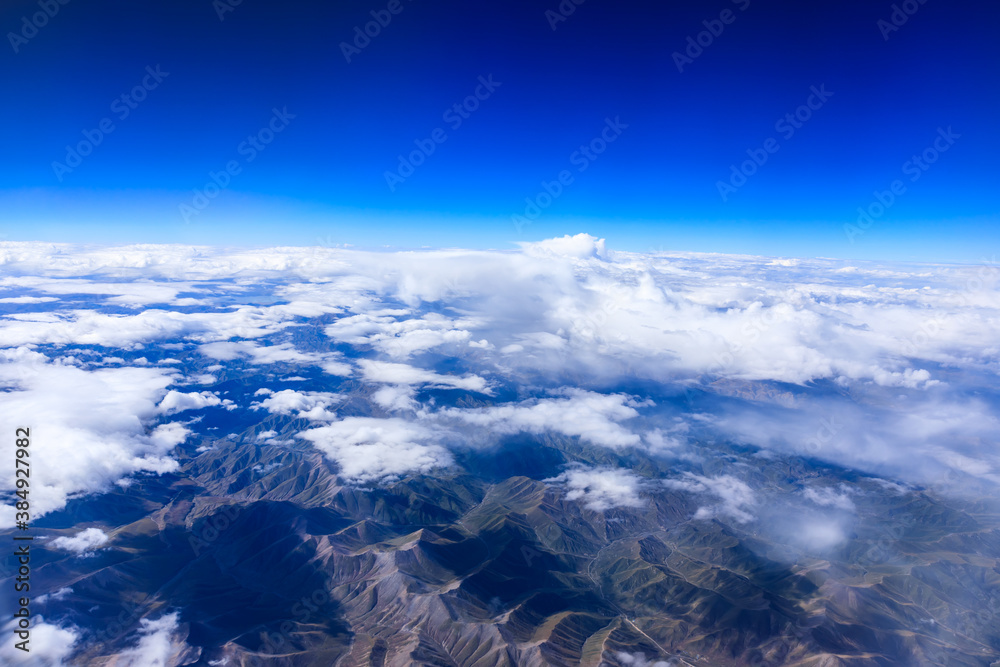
323,177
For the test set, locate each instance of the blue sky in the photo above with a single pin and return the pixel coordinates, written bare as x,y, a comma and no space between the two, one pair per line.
327,131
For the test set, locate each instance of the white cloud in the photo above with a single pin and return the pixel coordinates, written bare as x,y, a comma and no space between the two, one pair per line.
640,660
403,374
263,470
588,415
929,439
87,327
128,293
158,644
55,597
258,354
818,535
176,401
601,488
335,368
395,397
839,498
370,450
274,354
660,441
581,246
399,338
813,528
50,645
734,496
86,540
311,405
87,427
28,299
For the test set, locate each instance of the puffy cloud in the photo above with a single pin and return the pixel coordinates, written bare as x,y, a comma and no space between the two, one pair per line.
399,337
50,645
311,405
263,470
581,246
159,644
371,450
734,496
395,397
86,540
87,427
660,442
588,415
176,401
335,368
601,488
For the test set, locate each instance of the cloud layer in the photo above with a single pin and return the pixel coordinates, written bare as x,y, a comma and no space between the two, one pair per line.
885,368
